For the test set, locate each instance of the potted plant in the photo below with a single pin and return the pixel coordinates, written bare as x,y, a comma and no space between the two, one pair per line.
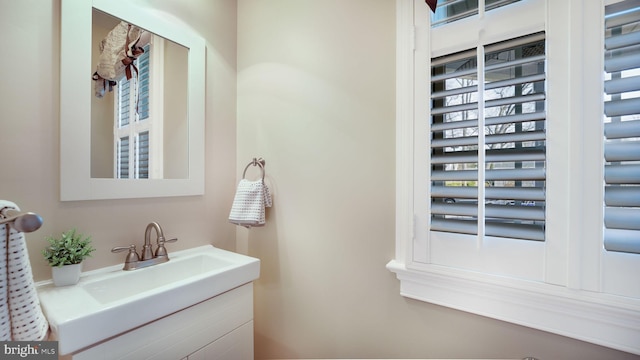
65,255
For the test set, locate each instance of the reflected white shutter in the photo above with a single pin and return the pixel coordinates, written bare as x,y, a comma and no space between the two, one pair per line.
513,149
124,101
122,160
622,128
142,155
132,124
144,77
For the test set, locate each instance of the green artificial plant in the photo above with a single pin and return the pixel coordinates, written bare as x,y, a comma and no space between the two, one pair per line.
71,248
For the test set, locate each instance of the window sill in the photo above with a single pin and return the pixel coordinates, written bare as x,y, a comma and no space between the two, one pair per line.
602,319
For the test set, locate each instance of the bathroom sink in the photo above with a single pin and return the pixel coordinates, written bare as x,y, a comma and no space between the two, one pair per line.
130,283
109,301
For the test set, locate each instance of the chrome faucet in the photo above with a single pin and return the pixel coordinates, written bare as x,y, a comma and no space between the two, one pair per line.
149,258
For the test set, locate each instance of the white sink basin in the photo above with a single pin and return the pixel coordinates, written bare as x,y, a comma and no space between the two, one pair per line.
110,301
130,283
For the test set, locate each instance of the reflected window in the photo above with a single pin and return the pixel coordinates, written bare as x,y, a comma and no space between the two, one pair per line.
135,124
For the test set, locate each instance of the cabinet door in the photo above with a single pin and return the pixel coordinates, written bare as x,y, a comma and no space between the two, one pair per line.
236,345
181,333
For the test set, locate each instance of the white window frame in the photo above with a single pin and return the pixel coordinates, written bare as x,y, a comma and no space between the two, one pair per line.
575,294
153,124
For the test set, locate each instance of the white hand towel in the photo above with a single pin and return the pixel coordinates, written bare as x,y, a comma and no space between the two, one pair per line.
21,317
249,203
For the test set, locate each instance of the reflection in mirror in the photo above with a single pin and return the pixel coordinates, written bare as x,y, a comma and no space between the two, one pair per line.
139,125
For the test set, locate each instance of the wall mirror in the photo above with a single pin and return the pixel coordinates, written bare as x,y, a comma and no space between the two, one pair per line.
100,158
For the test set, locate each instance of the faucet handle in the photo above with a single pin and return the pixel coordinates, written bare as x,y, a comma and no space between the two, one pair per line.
161,251
132,256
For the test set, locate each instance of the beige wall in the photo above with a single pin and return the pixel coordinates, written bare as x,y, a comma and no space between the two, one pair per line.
316,100
29,127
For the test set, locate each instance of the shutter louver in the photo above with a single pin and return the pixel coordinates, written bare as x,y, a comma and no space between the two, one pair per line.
622,129
514,148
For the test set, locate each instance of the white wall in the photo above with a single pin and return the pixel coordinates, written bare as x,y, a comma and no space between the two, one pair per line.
316,99
29,127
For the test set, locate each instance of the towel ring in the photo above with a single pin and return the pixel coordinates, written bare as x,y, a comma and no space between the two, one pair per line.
255,162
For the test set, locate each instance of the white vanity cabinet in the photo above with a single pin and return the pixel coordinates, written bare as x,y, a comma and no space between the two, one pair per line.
217,328
198,304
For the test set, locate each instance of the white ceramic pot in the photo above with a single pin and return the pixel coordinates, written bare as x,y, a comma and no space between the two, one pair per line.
66,275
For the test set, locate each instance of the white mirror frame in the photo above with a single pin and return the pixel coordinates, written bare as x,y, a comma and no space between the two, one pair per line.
76,89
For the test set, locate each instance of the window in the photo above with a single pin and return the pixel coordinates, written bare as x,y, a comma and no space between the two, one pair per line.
512,146
503,208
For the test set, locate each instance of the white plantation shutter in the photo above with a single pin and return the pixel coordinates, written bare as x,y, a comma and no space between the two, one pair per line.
622,128
512,144
454,143
515,138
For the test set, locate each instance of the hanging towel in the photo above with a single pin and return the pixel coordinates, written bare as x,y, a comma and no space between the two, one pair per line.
21,317
249,203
